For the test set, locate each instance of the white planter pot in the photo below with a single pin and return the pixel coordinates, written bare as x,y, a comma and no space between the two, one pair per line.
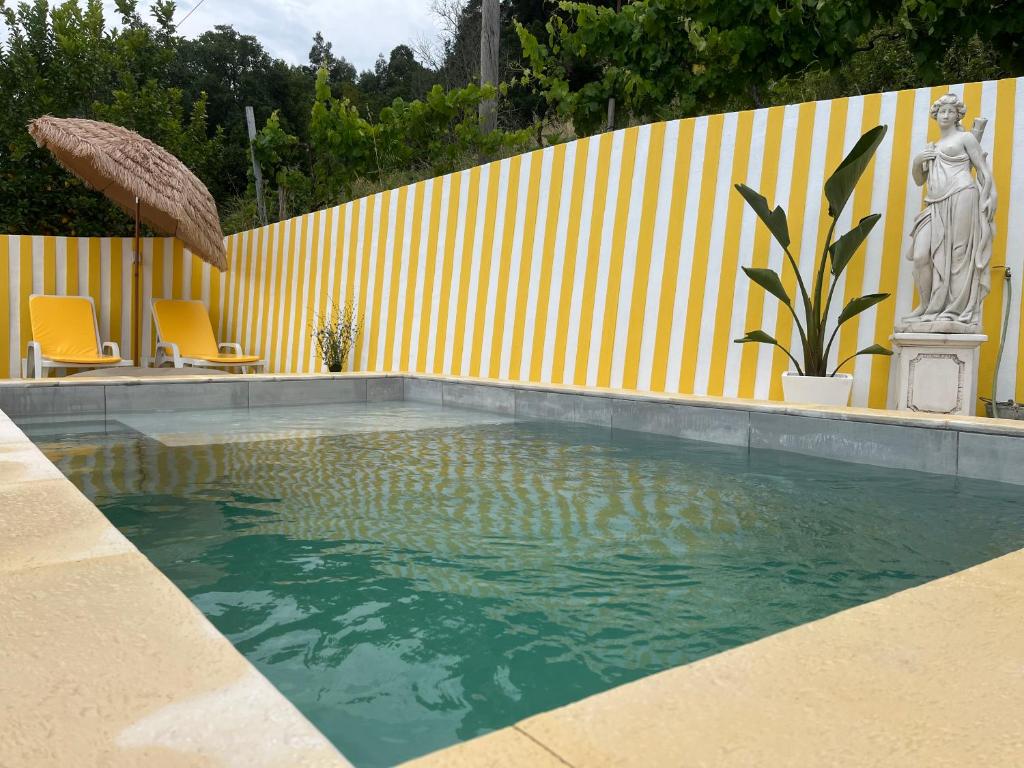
817,390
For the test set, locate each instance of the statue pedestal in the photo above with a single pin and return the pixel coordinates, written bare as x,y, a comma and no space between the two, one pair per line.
937,372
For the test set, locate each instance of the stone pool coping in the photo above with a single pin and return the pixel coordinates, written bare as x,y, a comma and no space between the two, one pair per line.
104,661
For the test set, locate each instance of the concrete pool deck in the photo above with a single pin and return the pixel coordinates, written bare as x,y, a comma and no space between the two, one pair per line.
104,662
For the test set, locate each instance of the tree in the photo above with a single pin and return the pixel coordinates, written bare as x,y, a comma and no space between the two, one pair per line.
934,26
438,134
189,95
281,159
400,76
668,58
235,71
62,61
320,55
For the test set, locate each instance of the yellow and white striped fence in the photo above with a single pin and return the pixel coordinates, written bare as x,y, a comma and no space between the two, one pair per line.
610,261
101,268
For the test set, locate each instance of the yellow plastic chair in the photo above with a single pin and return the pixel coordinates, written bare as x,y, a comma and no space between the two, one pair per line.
65,335
185,337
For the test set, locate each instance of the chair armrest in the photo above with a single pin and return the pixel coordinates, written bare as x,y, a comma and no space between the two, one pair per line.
232,345
115,350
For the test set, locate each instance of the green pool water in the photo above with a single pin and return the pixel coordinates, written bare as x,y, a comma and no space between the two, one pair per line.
411,577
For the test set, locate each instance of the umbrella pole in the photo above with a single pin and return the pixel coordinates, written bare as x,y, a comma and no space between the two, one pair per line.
137,290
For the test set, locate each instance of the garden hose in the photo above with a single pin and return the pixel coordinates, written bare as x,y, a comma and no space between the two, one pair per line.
1002,338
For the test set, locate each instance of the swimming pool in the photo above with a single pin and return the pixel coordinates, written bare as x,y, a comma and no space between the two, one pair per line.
412,576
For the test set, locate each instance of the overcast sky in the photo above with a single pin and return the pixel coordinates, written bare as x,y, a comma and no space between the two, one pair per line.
359,29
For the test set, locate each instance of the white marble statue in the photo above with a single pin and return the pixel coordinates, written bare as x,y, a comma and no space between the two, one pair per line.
951,246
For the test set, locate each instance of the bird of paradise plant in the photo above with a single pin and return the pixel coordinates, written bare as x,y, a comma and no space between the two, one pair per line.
815,338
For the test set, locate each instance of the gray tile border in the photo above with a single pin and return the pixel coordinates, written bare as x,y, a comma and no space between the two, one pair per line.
968,447
313,391
991,457
551,406
711,425
593,410
177,396
884,445
479,397
422,390
52,400
384,388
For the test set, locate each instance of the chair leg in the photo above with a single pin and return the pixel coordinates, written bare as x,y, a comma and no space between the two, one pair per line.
34,364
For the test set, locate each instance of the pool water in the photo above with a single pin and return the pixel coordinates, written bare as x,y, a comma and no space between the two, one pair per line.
411,576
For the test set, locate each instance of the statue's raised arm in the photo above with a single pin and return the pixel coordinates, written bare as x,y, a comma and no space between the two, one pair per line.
951,239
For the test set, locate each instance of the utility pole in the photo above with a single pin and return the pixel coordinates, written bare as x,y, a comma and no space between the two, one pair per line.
490,26
261,206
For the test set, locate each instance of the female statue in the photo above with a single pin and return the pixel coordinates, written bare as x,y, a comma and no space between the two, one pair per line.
952,237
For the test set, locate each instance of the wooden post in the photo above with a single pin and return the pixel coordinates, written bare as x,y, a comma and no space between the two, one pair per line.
490,26
261,206
611,100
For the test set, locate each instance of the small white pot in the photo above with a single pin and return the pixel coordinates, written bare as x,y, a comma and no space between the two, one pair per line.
817,390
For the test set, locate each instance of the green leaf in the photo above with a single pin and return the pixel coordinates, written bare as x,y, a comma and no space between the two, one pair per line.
775,220
875,349
760,337
841,183
843,249
757,337
858,305
770,281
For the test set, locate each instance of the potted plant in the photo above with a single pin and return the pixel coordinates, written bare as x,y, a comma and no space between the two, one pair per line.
812,382
334,335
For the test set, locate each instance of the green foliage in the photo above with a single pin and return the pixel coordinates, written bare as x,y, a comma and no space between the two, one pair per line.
341,142
335,335
441,132
399,76
429,137
932,25
670,58
414,116
62,61
158,113
280,158
812,326
326,137
187,95
235,71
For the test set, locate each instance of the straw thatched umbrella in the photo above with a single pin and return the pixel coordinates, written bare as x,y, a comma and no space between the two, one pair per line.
144,180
